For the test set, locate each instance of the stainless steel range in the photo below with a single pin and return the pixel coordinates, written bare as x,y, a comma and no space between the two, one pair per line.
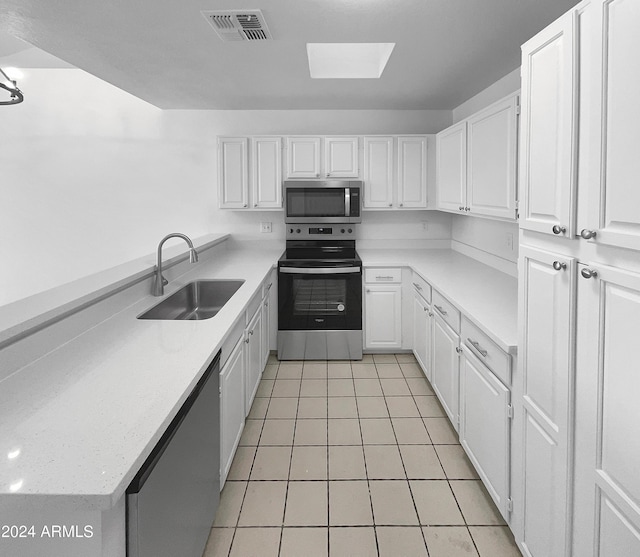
320,294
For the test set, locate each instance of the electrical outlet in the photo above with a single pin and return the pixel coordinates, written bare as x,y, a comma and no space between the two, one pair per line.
509,241
265,227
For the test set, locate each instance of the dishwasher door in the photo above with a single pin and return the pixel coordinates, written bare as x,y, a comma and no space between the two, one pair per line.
172,501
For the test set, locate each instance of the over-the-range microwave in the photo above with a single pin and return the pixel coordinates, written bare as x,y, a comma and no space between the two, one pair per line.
322,201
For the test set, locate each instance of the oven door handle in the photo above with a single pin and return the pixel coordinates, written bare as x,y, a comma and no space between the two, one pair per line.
319,270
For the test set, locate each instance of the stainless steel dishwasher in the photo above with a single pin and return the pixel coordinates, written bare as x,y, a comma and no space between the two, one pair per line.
172,501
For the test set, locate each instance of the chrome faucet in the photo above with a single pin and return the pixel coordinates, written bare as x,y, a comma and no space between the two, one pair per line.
160,282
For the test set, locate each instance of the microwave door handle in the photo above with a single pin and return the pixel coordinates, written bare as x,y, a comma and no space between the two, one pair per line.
347,202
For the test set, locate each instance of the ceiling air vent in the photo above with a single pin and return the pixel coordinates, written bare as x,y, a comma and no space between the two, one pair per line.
236,25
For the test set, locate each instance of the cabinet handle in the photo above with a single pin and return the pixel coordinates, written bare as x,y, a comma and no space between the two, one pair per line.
442,311
401,204
367,291
458,350
384,278
430,314
476,345
461,208
424,309
588,234
589,273
557,229
255,204
250,332
417,286
390,204
559,265
247,340
467,208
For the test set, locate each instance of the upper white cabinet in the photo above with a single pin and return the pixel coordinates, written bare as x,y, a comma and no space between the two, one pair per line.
547,152
476,162
451,167
262,163
233,164
395,172
492,139
304,157
378,172
341,157
412,172
266,175
612,123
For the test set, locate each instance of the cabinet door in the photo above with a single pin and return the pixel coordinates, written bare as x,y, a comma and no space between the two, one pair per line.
491,160
233,187
485,424
267,172
412,172
451,168
548,122
545,355
422,333
446,368
607,483
303,157
341,157
232,402
265,330
253,357
378,172
383,316
612,189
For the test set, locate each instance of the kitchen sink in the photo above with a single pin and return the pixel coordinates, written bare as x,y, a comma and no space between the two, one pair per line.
200,299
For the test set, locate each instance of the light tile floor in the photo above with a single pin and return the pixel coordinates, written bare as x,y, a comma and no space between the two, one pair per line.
353,459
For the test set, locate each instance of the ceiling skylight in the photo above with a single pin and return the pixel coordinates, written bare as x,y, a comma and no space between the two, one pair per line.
348,60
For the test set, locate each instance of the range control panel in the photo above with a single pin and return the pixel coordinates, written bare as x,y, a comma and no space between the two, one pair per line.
306,231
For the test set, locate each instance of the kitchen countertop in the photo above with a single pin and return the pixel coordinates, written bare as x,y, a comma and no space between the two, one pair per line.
487,297
80,421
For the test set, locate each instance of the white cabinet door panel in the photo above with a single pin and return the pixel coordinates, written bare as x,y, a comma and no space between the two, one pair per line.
451,168
485,426
546,366
607,494
422,334
266,165
253,357
446,368
378,172
303,157
341,157
233,185
383,316
547,177
412,172
491,162
613,192
231,407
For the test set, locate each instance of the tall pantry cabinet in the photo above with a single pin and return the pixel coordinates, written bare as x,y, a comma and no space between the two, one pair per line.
575,475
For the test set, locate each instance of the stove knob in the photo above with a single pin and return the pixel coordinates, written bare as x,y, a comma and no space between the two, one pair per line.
342,230
298,230
350,230
291,230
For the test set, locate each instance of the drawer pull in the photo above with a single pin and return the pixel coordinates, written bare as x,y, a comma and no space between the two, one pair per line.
476,345
383,278
440,310
417,286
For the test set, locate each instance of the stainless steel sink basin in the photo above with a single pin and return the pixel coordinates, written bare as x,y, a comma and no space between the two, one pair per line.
200,299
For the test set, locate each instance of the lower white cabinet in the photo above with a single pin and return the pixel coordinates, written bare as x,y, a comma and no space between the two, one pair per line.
485,426
232,412
383,316
254,357
422,331
446,367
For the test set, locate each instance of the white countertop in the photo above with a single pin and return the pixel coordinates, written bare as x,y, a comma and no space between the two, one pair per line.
80,421
489,298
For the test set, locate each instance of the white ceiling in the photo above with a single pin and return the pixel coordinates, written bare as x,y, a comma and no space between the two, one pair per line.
165,52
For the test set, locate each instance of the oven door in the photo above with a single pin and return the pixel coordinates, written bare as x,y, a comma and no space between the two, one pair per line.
325,298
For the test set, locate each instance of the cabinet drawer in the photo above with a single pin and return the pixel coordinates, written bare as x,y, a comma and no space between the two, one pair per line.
445,309
487,351
383,275
421,286
254,305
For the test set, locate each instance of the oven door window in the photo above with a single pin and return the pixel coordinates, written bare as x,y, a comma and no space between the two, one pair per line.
308,302
311,202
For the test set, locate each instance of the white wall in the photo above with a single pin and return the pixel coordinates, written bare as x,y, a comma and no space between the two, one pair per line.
90,178
484,238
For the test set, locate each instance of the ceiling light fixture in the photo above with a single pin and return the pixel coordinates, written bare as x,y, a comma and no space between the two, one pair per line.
15,95
348,60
